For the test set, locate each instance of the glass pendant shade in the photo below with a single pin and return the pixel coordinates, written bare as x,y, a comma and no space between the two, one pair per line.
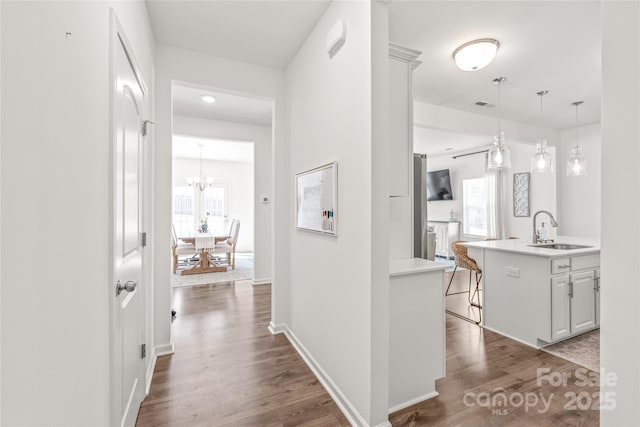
499,155
576,165
541,162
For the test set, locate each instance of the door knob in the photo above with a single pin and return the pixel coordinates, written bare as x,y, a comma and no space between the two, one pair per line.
129,286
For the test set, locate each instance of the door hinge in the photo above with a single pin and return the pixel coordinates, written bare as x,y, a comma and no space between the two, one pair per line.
145,126
143,239
143,351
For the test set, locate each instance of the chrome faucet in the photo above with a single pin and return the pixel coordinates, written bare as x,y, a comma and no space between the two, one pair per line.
536,236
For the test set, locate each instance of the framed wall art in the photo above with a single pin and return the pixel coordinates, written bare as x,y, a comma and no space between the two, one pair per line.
317,199
521,184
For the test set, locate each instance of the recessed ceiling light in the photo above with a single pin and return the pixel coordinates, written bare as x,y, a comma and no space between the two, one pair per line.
476,54
209,99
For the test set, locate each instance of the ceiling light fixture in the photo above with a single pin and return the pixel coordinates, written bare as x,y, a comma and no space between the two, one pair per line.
209,99
541,162
476,54
576,165
201,182
499,156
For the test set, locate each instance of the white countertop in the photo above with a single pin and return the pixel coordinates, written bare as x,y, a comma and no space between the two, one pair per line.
526,247
399,267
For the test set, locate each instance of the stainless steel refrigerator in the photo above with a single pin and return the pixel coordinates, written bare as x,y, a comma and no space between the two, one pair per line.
424,240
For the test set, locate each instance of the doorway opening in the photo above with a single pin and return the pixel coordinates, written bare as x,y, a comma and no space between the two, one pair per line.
221,158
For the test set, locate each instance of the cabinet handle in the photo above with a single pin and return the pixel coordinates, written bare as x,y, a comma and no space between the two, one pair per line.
564,266
570,289
597,284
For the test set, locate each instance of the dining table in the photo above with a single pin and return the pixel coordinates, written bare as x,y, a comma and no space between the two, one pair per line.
205,243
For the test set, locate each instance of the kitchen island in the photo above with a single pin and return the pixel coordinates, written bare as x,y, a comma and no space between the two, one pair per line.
537,294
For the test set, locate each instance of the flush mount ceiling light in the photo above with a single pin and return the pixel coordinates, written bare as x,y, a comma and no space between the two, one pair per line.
499,156
576,165
476,54
541,162
209,99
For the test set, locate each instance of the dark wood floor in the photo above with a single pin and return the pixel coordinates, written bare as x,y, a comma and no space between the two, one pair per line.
229,370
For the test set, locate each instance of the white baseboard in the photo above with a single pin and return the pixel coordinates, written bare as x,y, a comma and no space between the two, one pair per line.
408,403
150,369
347,408
488,328
266,281
165,349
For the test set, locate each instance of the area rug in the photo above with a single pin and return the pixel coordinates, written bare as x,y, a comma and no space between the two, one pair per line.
243,271
583,350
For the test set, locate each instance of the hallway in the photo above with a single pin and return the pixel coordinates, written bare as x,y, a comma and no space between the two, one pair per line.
228,370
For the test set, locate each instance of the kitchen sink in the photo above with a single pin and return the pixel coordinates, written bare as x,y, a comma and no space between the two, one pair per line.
561,246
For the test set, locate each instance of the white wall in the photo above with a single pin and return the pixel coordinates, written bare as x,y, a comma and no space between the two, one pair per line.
579,197
329,112
173,64
54,141
542,188
239,177
263,178
620,256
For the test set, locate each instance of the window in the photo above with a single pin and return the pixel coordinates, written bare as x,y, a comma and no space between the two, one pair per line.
183,219
215,199
475,207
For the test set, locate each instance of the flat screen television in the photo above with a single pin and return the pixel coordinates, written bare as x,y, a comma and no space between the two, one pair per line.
439,185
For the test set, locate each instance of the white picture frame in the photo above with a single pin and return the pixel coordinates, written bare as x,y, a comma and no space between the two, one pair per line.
316,193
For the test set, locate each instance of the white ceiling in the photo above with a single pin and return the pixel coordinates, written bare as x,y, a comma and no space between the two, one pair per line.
187,147
435,142
259,32
544,45
242,109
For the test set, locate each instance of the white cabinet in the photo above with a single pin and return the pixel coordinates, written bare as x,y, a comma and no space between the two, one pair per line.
575,296
401,65
447,232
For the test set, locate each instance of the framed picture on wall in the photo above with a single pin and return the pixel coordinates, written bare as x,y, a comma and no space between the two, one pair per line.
521,194
317,199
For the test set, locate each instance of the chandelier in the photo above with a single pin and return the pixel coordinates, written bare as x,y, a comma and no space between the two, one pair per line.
201,181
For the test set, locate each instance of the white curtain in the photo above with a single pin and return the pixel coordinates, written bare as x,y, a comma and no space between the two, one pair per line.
497,205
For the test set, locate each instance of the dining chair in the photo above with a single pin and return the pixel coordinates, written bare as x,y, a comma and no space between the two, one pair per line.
228,247
178,248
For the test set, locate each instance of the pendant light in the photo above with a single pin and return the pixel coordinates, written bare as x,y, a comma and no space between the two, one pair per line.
499,156
541,162
576,165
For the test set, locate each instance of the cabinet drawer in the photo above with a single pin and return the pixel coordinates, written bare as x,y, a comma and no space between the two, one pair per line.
560,265
585,261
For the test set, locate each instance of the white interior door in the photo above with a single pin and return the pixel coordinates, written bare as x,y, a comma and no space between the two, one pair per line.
128,307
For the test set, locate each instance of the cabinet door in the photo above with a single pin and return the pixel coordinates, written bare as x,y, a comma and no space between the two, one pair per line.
453,234
583,302
560,307
401,121
442,240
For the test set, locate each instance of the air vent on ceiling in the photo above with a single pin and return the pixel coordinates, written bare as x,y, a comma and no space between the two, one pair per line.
484,104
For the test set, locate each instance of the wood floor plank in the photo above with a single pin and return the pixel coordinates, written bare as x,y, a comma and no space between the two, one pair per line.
228,370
